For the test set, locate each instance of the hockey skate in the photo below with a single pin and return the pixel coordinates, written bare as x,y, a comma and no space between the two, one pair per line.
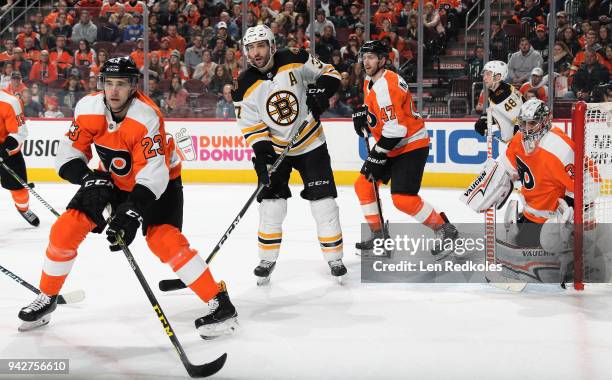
366,247
38,313
444,233
30,217
222,318
263,271
338,270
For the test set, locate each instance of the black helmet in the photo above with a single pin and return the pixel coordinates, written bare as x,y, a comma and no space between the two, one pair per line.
374,46
120,67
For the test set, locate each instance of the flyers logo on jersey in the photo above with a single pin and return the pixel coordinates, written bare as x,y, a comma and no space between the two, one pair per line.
283,107
73,132
118,162
372,120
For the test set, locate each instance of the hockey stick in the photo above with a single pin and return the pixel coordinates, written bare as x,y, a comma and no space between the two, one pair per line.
202,370
494,279
28,187
384,224
67,298
175,284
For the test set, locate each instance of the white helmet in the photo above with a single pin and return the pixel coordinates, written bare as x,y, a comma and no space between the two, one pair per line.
534,122
258,33
496,67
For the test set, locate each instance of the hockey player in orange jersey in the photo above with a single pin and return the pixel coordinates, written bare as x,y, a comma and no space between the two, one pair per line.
140,177
401,150
542,158
12,134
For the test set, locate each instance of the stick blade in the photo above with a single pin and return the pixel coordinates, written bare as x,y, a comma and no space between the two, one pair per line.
208,369
170,285
71,297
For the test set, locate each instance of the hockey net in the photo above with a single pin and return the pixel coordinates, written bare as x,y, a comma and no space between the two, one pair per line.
592,134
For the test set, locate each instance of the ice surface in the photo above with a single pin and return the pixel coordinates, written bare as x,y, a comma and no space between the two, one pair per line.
303,325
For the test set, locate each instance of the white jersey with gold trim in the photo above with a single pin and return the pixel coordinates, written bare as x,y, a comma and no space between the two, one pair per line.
270,106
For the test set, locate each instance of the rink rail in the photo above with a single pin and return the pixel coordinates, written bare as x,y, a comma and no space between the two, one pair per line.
214,151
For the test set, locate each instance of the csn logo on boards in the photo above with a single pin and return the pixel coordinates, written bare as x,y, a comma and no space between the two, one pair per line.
455,146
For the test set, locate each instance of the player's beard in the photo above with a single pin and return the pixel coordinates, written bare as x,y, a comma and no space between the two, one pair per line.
265,62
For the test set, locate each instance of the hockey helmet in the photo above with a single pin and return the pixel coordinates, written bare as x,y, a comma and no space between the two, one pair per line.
496,67
119,67
258,33
374,46
534,122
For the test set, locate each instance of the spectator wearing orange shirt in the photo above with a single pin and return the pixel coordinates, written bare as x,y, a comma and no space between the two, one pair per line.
164,51
62,9
591,43
134,7
27,32
92,6
61,57
536,83
175,68
44,70
138,55
109,7
16,86
30,53
382,13
85,55
175,41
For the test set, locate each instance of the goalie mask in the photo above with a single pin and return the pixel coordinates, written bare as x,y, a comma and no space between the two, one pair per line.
490,71
534,121
256,34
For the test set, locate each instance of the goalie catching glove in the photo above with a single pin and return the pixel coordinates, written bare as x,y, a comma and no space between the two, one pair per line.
492,187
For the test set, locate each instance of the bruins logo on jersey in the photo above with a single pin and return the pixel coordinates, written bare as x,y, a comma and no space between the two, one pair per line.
283,107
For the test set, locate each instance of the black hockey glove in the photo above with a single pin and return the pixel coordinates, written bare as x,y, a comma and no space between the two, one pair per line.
9,144
317,100
481,125
262,163
265,156
374,166
360,121
124,223
96,191
129,216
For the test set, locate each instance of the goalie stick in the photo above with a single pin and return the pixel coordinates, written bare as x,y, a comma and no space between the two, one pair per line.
493,278
66,298
175,284
202,370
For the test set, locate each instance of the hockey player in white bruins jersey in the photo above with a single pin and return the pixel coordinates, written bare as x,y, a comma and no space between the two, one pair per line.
274,94
506,101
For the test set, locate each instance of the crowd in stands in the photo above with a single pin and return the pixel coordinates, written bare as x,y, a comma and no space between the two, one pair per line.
582,51
52,58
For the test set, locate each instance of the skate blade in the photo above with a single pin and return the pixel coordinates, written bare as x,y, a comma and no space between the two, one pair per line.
27,326
227,327
340,279
263,280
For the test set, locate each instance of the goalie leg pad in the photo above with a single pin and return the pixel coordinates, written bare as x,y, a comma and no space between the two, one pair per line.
492,187
327,216
510,221
272,213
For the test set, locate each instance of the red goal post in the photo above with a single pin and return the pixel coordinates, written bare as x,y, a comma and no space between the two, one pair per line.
592,135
